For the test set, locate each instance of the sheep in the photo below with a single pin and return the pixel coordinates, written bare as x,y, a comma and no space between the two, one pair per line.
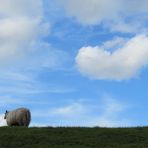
18,117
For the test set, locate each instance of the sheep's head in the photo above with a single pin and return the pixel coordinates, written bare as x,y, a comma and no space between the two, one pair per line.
6,113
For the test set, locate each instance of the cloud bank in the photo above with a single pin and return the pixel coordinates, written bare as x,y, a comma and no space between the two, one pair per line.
21,26
109,12
91,12
123,63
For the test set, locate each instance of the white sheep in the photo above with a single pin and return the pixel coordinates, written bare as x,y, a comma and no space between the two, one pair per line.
18,117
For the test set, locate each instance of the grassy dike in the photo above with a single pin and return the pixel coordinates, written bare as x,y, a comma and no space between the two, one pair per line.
48,137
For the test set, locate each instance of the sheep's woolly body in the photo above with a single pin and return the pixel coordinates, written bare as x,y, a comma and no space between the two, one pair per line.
19,117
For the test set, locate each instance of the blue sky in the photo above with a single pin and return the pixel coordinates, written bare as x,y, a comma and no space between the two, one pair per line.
75,63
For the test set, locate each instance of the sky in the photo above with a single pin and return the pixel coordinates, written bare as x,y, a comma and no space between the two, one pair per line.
75,62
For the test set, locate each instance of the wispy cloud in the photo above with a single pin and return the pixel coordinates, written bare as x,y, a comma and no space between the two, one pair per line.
104,114
110,116
32,89
7,100
12,75
70,110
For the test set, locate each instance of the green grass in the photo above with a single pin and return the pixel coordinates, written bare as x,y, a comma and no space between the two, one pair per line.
20,137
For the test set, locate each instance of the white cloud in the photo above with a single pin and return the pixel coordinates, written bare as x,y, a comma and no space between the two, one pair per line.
2,120
31,8
123,63
21,26
115,43
114,13
15,35
91,11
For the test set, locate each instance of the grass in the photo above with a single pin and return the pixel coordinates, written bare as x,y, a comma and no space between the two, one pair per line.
74,137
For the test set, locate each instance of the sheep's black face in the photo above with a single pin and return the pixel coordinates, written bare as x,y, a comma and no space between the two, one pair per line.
6,113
